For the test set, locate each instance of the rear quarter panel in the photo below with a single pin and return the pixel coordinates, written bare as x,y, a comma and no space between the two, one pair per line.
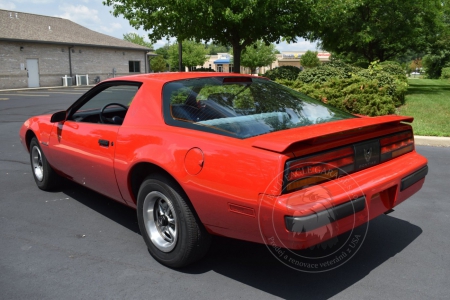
233,171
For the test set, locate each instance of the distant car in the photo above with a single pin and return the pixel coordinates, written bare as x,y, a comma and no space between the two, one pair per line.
201,154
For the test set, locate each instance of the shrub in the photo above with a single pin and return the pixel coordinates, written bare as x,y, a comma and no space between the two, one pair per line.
374,91
290,83
283,72
323,73
394,87
445,74
356,95
394,69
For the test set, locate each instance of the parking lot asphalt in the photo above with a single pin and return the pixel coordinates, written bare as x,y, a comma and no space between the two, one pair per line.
76,244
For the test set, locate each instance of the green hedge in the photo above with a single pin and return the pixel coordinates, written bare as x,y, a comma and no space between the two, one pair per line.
283,73
393,68
324,72
445,74
374,91
394,87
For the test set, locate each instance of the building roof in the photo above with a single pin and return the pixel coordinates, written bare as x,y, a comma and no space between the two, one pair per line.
222,61
18,26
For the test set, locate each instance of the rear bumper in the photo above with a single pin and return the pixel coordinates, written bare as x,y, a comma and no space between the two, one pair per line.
324,217
413,178
313,215
346,209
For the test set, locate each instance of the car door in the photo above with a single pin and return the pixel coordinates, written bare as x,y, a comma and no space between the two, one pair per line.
83,146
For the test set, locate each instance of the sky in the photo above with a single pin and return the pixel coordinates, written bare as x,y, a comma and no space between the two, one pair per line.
96,16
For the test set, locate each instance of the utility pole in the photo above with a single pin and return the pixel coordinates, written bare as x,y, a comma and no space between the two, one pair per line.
180,56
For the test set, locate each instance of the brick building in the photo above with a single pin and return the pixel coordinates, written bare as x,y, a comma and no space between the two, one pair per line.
38,51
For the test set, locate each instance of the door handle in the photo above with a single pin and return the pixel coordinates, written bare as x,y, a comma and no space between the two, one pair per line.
103,143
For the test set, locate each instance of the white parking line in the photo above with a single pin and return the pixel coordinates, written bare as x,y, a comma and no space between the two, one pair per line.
68,90
4,99
70,93
30,95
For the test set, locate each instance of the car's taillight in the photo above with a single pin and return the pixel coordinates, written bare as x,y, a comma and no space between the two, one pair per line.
396,145
315,169
319,168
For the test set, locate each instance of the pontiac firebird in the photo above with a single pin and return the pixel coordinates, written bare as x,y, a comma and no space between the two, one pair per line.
201,154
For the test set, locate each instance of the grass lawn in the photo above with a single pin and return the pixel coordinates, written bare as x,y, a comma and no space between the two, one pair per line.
428,101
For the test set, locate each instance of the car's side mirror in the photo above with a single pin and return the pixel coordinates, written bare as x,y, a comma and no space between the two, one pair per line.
59,116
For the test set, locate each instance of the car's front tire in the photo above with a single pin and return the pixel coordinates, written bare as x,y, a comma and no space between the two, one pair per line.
45,177
173,234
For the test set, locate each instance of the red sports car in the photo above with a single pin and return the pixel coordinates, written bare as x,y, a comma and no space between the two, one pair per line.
201,154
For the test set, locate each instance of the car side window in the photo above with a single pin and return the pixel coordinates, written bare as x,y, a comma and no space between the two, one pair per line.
108,106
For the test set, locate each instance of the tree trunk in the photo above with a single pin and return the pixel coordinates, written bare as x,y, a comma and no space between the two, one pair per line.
237,48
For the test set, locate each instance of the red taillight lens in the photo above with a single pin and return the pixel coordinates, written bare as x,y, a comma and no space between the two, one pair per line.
319,168
315,169
396,145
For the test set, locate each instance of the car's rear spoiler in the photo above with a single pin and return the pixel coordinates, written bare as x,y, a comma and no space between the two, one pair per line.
280,141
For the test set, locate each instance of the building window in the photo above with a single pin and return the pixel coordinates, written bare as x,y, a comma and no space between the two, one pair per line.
219,68
230,68
134,66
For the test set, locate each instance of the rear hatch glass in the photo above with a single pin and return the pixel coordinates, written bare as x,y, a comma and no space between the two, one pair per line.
242,107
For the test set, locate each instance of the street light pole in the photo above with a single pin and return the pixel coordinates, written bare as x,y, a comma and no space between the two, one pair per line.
180,56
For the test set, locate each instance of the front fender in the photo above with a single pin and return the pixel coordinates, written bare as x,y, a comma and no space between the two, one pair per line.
39,126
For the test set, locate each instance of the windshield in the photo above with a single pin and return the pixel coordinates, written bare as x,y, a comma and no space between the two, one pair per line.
242,106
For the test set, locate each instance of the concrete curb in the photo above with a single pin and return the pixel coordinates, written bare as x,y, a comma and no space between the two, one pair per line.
435,141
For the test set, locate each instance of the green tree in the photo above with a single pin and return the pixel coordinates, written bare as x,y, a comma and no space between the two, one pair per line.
310,59
434,62
137,39
163,51
375,29
258,55
228,22
214,49
158,64
194,54
438,54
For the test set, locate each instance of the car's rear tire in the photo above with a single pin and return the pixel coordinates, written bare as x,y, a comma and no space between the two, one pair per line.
45,177
173,233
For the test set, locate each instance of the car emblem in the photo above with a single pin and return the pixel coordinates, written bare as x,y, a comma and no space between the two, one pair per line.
368,154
